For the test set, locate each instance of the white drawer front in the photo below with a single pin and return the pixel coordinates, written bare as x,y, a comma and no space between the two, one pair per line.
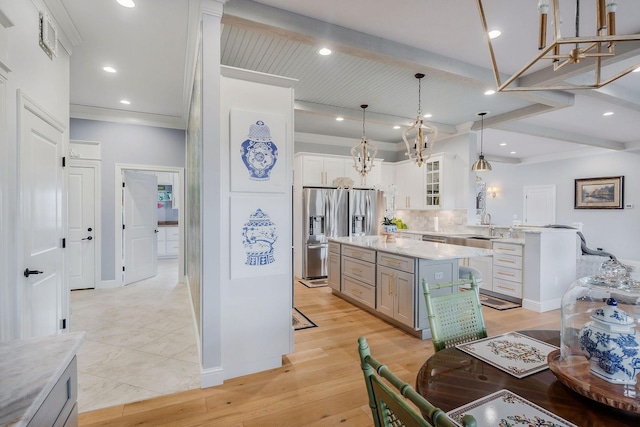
172,233
172,248
505,273
363,254
507,287
507,248
361,292
396,262
334,247
360,270
504,260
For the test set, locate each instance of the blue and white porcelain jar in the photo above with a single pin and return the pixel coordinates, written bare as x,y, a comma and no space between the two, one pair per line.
259,153
610,342
258,237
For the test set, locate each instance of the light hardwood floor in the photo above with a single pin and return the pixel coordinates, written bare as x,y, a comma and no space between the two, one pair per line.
320,384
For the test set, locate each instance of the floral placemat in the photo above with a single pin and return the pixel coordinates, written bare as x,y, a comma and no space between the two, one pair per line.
505,408
514,353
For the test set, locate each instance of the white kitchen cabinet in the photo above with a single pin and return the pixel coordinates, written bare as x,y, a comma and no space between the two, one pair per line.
164,178
359,274
409,179
443,187
507,269
168,242
320,170
395,287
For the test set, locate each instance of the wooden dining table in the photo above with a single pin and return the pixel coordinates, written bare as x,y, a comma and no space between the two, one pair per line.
452,378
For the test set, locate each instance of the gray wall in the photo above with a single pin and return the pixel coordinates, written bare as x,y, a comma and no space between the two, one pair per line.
615,230
130,144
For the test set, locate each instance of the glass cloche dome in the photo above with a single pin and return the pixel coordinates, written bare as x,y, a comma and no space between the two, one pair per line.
589,296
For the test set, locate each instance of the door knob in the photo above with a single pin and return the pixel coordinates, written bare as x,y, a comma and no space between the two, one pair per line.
28,272
88,238
89,229
155,231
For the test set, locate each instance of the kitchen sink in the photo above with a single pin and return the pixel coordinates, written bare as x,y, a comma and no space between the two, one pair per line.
483,242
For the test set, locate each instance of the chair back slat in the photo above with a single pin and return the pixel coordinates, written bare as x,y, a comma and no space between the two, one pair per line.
454,317
391,408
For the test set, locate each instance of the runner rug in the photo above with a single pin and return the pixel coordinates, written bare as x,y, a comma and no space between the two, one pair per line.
497,303
300,321
315,283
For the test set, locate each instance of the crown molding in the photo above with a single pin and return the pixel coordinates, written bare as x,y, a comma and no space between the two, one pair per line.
129,117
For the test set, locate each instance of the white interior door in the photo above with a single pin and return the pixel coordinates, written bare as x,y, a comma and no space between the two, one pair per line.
41,218
81,245
140,226
540,205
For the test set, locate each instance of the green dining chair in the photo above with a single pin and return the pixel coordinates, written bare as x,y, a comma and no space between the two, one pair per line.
454,317
390,408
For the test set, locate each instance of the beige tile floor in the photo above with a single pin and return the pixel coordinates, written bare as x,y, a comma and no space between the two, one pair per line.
140,341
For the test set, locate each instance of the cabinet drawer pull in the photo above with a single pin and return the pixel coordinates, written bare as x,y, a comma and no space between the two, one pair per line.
504,287
392,261
506,274
506,260
356,270
357,291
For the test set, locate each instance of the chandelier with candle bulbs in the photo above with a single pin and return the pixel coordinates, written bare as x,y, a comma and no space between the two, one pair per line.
363,153
424,135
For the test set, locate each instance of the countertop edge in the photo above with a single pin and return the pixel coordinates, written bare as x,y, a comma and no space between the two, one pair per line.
74,339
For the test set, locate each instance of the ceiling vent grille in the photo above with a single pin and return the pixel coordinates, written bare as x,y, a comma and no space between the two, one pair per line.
48,35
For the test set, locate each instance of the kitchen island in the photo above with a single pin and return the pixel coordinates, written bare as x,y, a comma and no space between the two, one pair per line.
385,278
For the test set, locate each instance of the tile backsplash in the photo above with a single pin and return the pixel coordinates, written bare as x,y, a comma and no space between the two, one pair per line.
449,221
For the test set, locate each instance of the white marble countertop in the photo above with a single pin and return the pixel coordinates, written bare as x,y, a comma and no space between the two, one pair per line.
415,248
29,368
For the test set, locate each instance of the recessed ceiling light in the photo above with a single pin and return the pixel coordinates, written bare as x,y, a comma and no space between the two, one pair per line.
324,51
126,3
494,33
608,113
489,92
502,144
125,102
428,116
513,152
637,70
396,127
109,69
339,119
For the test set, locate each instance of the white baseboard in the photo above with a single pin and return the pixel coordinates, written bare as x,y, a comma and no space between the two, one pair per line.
541,306
108,284
211,377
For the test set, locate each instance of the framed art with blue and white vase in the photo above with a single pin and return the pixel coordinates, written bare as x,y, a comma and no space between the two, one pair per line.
258,142
257,224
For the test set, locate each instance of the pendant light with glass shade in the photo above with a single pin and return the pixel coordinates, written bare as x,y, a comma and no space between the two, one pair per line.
481,165
364,153
422,148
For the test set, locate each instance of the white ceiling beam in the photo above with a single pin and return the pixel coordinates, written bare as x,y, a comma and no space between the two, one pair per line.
561,135
132,117
356,114
616,96
522,113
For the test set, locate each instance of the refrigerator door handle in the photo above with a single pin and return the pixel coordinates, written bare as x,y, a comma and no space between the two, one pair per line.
317,246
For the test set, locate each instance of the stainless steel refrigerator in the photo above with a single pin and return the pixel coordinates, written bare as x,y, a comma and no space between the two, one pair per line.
329,212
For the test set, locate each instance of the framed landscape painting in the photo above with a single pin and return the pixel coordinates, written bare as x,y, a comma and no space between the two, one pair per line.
599,193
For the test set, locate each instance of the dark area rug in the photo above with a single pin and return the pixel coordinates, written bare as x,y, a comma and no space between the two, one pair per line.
497,303
314,283
300,321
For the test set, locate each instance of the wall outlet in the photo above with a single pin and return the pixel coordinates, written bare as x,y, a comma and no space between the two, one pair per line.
438,275
628,206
